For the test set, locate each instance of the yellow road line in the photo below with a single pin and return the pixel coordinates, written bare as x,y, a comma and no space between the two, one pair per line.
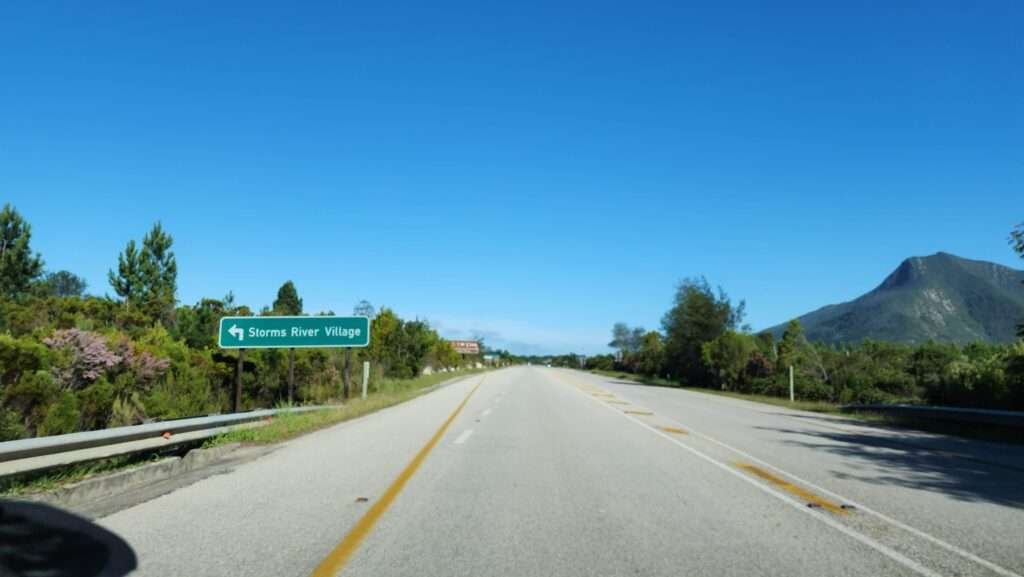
638,412
618,402
338,558
785,485
675,430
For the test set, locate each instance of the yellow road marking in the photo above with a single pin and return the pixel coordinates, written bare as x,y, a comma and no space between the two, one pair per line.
336,559
638,412
618,402
785,485
675,430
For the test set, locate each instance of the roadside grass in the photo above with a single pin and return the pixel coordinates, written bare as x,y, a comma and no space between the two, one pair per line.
387,393
976,431
813,406
49,480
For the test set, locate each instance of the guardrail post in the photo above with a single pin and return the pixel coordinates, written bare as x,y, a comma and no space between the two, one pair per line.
346,374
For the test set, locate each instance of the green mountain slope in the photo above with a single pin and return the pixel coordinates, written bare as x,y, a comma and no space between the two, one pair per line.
941,297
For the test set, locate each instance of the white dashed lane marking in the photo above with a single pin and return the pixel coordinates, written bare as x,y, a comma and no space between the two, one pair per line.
463,437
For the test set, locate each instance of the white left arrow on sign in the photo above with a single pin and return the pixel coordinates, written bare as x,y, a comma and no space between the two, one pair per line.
237,332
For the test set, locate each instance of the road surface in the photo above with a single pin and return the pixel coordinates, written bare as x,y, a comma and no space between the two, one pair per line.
533,471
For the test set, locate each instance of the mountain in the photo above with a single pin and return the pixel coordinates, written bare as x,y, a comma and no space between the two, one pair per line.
941,297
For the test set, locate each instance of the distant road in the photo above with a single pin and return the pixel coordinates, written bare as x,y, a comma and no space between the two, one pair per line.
539,472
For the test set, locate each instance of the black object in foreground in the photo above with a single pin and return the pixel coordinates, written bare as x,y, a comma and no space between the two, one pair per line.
37,539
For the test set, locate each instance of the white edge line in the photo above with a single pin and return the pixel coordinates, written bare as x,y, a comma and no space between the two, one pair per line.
935,540
927,537
892,554
463,437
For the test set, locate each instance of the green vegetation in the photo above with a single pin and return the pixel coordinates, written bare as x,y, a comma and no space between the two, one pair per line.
72,362
19,266
975,375
702,344
811,406
386,393
55,479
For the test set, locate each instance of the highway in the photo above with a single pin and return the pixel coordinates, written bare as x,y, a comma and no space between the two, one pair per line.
535,471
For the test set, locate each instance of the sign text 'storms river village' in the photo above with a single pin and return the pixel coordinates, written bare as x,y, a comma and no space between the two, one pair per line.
293,332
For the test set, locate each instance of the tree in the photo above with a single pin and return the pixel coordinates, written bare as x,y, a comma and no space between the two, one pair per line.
363,308
636,339
1017,239
148,277
128,282
626,340
159,272
416,343
1015,376
197,325
651,354
796,351
620,338
63,284
791,346
288,303
727,357
444,354
697,316
19,267
384,339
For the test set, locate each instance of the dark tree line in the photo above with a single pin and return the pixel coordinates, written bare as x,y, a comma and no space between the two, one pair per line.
702,343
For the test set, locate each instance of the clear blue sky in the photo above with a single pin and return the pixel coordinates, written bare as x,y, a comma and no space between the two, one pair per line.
534,171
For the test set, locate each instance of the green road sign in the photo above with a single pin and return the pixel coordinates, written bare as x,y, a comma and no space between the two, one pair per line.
293,332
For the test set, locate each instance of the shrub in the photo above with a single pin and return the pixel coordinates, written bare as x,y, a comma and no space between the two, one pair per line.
11,427
183,392
32,396
127,411
95,403
20,356
62,416
86,357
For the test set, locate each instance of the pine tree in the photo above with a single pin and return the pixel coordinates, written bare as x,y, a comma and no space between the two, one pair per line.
159,271
128,282
148,277
287,301
19,267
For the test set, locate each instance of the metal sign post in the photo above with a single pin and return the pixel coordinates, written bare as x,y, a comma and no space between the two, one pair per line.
366,376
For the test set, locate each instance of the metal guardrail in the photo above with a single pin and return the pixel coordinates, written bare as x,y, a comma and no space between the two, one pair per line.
1013,419
39,453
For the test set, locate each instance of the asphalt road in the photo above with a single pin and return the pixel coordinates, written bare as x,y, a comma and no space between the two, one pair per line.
536,471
